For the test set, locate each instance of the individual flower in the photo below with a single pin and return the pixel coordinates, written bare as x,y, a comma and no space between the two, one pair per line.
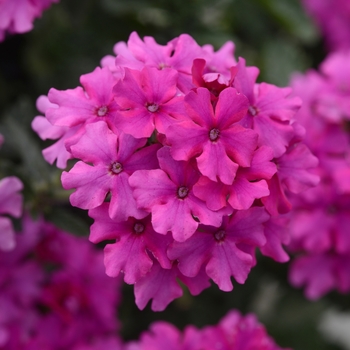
221,143
114,157
148,100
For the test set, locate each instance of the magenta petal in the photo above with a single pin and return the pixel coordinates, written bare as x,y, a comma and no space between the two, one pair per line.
240,144
192,253
316,272
186,139
123,204
160,285
128,255
179,219
11,200
7,235
231,108
242,193
92,185
98,145
215,164
197,283
98,85
215,194
46,130
276,235
74,107
151,187
226,261
273,133
199,107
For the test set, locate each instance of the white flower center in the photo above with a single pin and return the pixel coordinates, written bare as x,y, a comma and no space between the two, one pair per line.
116,168
138,227
214,134
153,107
102,111
182,192
220,235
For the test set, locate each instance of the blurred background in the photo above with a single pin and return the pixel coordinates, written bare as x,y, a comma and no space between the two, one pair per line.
69,40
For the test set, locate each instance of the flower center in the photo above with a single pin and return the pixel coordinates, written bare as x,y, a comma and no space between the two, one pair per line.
152,107
116,168
253,111
162,66
214,134
220,235
182,192
138,227
102,111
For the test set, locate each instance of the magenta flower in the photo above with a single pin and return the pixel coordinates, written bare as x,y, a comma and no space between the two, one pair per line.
114,157
215,138
270,110
178,54
134,240
17,16
167,194
218,248
248,185
94,101
148,100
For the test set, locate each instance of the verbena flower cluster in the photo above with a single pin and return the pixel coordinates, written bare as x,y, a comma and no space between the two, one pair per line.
17,16
234,332
320,219
333,19
55,293
10,204
185,162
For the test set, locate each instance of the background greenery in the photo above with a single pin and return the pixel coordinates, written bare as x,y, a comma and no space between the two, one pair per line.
69,40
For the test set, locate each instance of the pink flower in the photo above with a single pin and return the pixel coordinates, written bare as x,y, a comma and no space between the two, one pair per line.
215,139
167,194
178,54
114,157
134,240
211,247
17,16
148,100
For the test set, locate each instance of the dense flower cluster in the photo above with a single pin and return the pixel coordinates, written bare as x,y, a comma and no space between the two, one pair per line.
184,162
55,293
320,220
10,204
17,16
333,19
234,332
